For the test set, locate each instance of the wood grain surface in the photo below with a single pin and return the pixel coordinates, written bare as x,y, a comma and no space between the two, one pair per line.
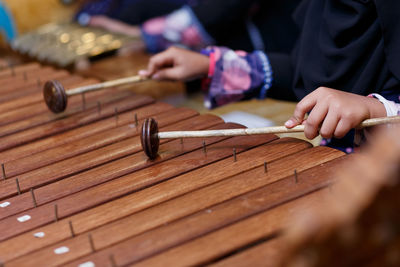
75,120
86,221
79,189
126,165
237,207
33,94
79,133
30,85
206,248
76,148
93,142
85,161
264,253
12,71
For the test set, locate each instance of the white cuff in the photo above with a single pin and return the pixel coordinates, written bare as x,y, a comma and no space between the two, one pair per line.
390,106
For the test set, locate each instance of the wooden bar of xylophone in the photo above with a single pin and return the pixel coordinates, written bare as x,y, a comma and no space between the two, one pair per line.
76,188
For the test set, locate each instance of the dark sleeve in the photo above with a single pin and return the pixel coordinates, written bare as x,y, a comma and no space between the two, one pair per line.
388,15
217,16
283,77
142,10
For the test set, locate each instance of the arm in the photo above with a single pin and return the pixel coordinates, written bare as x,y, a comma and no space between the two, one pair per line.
392,107
181,27
333,113
232,76
113,25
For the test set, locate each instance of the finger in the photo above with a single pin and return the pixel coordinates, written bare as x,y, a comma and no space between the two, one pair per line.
159,61
329,125
314,120
304,106
343,127
291,122
144,73
173,73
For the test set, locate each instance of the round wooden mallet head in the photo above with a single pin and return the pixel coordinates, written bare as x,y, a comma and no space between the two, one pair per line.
55,96
149,138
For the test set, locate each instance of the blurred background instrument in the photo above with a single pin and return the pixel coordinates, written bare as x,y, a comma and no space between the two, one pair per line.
66,44
54,38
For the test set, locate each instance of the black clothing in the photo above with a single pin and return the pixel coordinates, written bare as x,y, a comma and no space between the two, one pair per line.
226,21
350,45
141,10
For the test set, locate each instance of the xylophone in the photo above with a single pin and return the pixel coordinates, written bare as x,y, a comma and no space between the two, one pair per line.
76,188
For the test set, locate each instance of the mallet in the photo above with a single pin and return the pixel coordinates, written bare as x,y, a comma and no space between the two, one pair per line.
150,136
56,96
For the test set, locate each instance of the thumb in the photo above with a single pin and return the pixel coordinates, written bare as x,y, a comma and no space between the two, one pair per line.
160,61
292,122
305,105
171,73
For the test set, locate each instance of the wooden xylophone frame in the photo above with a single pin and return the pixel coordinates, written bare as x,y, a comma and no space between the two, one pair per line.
76,188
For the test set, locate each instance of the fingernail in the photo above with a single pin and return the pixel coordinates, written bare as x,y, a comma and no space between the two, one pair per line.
156,76
289,123
143,72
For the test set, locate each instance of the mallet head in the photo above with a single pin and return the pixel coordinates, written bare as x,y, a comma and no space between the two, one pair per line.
55,96
149,138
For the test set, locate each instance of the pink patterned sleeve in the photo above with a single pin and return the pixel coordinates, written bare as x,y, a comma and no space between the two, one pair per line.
235,76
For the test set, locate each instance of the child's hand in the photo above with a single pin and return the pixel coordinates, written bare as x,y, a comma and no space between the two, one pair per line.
176,64
334,113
